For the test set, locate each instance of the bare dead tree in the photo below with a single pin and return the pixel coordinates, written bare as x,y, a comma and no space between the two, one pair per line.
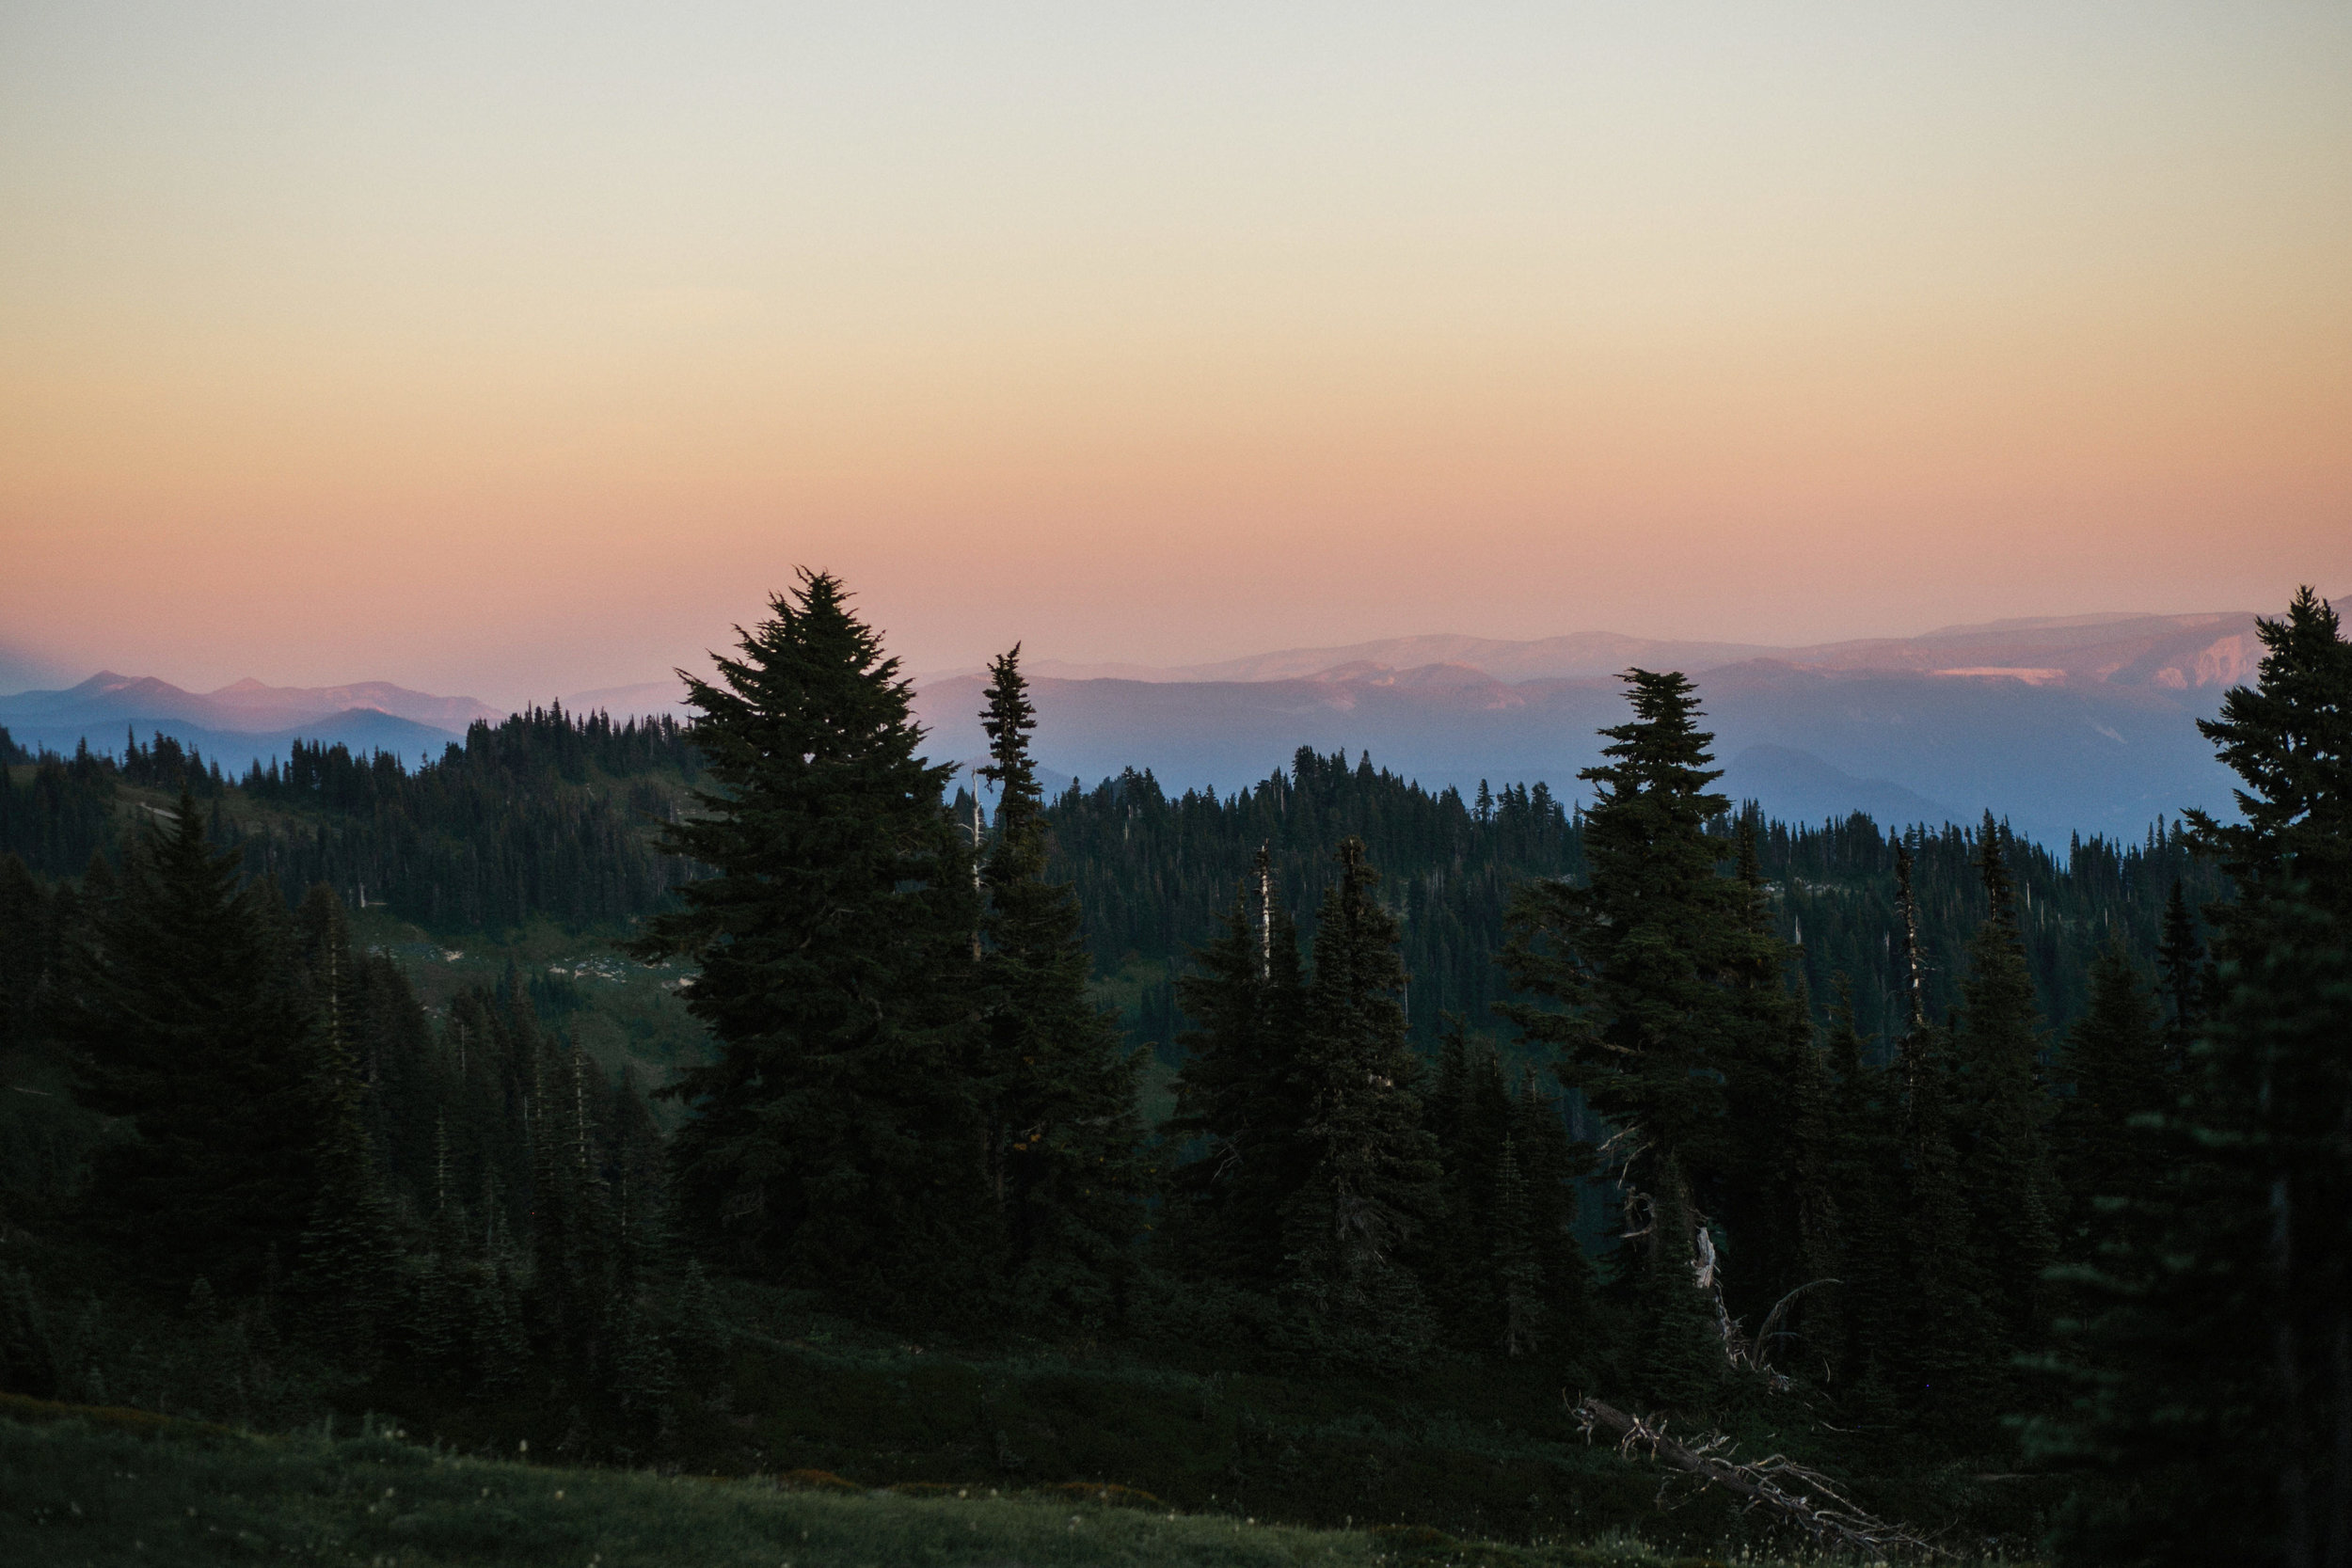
1788,1491
1623,1146
1915,993
1264,866
1643,1215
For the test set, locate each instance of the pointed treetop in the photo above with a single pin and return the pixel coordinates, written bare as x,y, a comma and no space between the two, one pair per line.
1008,719
1662,752
2000,888
812,679
2288,737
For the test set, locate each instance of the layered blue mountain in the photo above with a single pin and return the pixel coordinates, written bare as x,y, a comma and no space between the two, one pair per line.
2084,725
238,725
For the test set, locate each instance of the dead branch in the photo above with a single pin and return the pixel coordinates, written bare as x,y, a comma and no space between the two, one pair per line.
1779,1485
1770,1331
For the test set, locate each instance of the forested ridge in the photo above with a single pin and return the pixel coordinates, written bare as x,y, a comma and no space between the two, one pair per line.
1969,1186
1152,871
550,816
542,816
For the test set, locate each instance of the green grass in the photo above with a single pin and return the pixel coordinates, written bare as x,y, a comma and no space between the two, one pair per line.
103,1487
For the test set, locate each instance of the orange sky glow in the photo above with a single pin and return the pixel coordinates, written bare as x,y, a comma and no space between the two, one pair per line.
518,350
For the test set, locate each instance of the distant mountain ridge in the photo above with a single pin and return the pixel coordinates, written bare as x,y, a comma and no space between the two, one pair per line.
2061,723
242,723
246,706
2180,652
2053,757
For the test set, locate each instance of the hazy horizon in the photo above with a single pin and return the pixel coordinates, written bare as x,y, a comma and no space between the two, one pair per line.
25,671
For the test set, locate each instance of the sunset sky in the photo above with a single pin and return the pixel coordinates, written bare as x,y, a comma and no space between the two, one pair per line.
516,350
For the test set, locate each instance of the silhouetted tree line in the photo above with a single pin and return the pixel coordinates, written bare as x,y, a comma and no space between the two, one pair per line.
542,816
2129,1232
472,1207
1153,873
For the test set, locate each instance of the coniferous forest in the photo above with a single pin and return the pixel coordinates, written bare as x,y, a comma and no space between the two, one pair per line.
1566,1159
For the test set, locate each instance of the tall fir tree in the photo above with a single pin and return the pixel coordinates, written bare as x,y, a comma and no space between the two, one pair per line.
2216,1362
1240,1094
185,1022
1370,1172
837,1139
2288,737
2113,1069
1865,1166
1631,975
1517,1269
1776,1200
1553,1165
28,933
1803,1226
348,1264
1947,1368
2002,1108
2180,971
1468,1112
572,1228
1066,1135
2217,1365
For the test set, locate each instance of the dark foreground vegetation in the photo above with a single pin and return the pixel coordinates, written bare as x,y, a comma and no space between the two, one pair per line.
104,1486
1514,1173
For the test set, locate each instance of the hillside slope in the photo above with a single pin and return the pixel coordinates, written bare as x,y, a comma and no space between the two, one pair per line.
112,1486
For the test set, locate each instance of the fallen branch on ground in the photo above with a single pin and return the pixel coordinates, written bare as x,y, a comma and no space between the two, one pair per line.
1779,1485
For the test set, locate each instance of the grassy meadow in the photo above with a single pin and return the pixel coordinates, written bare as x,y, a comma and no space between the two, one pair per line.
80,1485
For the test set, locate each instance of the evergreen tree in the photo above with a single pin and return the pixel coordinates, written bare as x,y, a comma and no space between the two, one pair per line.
838,1140
1946,1367
1468,1112
1801,1227
1503,1271
2003,1111
2180,971
1552,1165
346,1257
1066,1135
571,1223
1636,961
635,1159
502,1348
1864,1158
440,1324
1776,1201
185,1022
27,949
1240,1096
2288,739
1372,1168
2216,1368
1682,1359
1517,1273
403,1076
2114,1065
